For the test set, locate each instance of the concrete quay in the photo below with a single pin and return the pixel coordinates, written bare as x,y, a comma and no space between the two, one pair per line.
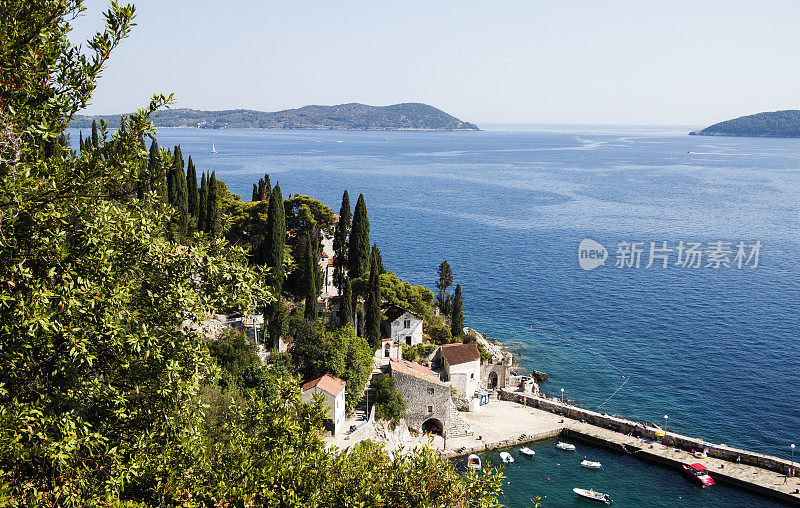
517,420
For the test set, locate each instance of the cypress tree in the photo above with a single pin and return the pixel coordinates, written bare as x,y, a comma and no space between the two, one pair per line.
346,304
373,310
279,320
457,318
180,192
310,279
275,240
193,197
358,251
80,141
213,218
95,138
265,188
255,193
202,203
443,284
340,243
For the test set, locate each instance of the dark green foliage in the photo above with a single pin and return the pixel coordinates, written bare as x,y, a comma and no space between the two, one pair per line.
304,214
389,404
372,329
358,251
95,138
779,124
340,242
213,211
202,204
156,172
442,285
317,351
418,352
439,333
376,253
80,140
193,196
346,304
275,238
309,280
407,116
180,195
264,188
279,320
233,352
255,194
417,299
457,317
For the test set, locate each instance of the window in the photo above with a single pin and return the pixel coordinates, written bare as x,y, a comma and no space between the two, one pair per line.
430,409
472,376
408,340
407,323
431,391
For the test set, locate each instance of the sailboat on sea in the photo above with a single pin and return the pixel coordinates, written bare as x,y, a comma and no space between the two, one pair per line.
213,148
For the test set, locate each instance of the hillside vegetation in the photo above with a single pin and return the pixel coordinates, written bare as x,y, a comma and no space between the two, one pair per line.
774,124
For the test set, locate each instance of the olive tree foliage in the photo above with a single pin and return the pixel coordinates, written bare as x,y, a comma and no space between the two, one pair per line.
100,370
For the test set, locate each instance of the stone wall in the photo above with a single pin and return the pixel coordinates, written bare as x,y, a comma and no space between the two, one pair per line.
673,439
501,369
415,393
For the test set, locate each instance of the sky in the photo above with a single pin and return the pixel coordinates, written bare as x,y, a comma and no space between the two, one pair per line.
690,63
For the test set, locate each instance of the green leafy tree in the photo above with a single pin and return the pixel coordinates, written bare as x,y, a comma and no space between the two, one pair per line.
389,404
345,314
340,242
304,214
373,305
233,352
457,318
275,238
443,284
358,252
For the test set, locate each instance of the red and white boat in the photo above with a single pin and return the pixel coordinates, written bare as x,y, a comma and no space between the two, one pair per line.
698,473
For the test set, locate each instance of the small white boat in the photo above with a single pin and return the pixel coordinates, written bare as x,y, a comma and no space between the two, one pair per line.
700,454
591,464
213,148
507,458
594,496
474,462
527,451
565,446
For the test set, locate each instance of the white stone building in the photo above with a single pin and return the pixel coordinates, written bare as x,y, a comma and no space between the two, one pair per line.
461,364
402,325
333,389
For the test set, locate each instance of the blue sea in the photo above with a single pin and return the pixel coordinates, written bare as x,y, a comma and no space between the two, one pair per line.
714,349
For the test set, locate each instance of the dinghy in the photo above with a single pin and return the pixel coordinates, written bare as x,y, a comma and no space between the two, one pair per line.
507,458
527,451
591,464
565,446
474,462
594,496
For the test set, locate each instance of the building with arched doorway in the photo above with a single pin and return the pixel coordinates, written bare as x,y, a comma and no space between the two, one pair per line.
428,404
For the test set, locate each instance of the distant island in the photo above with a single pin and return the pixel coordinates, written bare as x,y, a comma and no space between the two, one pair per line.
773,124
411,116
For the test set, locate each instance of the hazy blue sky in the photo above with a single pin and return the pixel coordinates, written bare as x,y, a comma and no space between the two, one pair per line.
643,62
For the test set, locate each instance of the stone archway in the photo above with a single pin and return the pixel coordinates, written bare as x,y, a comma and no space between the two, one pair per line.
491,382
387,350
433,426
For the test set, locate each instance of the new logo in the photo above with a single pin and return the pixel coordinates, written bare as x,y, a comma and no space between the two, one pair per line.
591,254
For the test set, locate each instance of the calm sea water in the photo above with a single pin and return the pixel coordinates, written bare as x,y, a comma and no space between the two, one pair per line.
714,349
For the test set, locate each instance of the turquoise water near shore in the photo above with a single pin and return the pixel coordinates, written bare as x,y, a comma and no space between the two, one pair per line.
715,349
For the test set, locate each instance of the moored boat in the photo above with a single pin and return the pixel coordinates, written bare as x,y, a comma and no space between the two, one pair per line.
594,496
507,458
591,464
474,462
565,446
527,451
698,473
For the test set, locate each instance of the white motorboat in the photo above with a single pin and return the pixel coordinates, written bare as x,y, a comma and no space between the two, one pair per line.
507,458
527,451
594,496
565,446
591,464
474,462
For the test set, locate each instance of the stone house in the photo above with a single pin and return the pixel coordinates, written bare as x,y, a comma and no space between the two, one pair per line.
401,325
333,390
428,404
461,365
497,373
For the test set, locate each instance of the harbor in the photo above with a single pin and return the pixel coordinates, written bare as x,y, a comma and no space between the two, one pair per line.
518,418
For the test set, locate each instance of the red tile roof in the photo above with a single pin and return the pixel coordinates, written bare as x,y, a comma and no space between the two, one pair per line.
456,354
414,369
327,383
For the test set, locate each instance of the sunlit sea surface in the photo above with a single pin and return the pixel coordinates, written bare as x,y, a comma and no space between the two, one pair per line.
714,349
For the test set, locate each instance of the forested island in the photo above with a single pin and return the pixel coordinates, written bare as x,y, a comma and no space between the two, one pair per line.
410,116
773,124
114,257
